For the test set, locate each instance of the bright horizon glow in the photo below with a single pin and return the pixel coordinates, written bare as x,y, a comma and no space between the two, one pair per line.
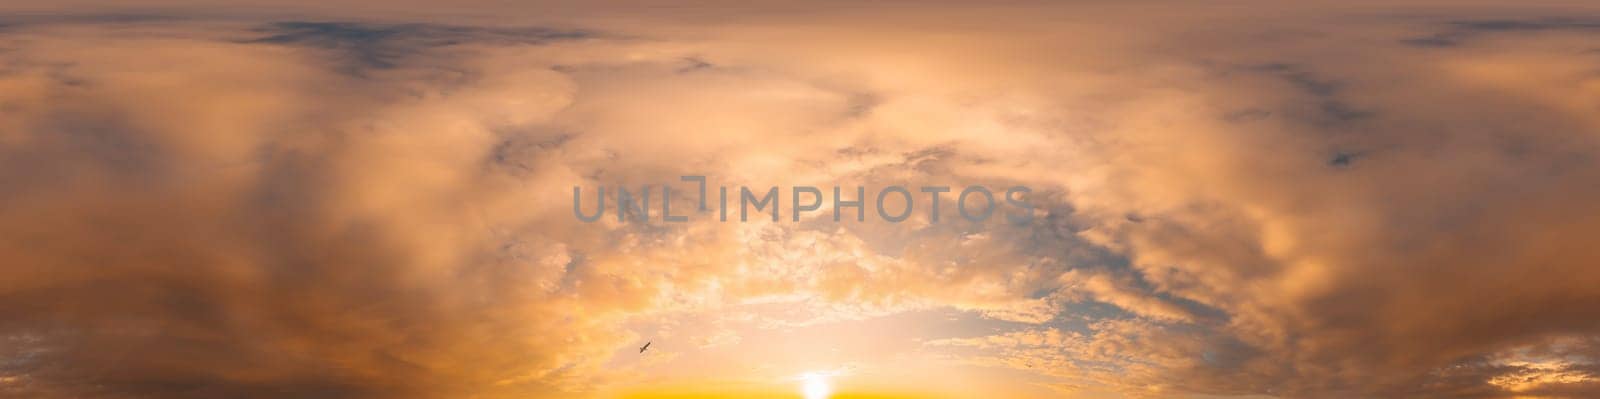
815,385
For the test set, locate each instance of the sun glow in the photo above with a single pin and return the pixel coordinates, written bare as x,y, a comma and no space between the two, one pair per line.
815,386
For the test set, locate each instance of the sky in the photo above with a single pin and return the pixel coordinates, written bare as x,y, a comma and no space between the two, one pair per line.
361,199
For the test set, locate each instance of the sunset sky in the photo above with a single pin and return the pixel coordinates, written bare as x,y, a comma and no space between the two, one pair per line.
366,199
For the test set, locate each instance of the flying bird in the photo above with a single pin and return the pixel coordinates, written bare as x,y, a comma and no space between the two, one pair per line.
646,346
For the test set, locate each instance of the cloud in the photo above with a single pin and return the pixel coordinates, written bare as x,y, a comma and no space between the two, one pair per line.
1226,205
363,46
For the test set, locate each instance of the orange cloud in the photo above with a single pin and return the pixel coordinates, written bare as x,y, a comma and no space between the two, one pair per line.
1326,202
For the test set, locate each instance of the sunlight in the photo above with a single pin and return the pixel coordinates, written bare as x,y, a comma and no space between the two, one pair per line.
814,386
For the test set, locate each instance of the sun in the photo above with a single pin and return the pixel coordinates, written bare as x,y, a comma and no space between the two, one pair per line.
815,386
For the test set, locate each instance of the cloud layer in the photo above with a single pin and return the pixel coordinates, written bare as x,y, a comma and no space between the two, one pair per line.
1321,202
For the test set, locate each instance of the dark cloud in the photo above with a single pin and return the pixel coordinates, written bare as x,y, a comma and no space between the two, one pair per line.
376,45
1456,33
1345,159
694,64
1331,108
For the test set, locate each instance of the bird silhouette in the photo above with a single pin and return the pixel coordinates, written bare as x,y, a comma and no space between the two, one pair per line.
646,346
